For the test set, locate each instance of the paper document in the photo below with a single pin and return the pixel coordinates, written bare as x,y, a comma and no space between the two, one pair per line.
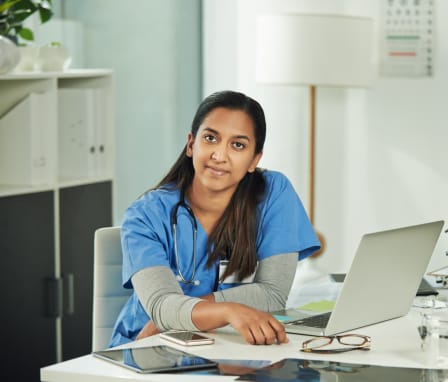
318,306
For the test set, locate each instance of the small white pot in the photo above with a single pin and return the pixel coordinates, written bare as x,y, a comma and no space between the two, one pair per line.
9,55
28,58
54,58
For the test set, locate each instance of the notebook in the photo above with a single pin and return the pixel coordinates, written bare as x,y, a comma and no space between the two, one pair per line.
382,281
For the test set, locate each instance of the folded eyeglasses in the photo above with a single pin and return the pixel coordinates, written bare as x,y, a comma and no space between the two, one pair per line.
348,341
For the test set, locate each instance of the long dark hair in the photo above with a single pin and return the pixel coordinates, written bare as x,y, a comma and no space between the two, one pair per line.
235,233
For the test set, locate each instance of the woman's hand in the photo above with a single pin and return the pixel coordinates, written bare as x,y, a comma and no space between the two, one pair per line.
256,327
148,330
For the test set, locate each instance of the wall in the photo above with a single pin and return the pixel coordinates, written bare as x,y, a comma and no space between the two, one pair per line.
154,48
381,159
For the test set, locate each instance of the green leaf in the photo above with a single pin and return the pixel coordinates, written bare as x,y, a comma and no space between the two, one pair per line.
26,34
21,15
26,4
45,4
45,14
7,4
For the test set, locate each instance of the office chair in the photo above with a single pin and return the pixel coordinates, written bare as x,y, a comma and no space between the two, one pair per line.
109,296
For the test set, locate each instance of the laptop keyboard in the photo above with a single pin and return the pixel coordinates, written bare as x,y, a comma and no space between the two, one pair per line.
317,321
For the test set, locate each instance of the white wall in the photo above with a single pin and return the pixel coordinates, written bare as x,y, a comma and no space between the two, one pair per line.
154,49
381,152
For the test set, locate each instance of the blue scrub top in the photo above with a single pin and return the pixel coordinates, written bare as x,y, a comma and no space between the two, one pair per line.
147,240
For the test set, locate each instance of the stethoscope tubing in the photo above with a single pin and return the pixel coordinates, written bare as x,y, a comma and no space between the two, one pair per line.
181,277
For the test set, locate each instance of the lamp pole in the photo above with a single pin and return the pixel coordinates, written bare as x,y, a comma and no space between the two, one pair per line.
312,153
312,167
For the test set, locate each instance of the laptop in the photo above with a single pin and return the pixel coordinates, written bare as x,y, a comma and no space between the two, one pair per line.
382,281
424,289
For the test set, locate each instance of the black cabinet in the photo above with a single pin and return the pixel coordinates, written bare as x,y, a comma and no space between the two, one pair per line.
83,209
33,296
27,269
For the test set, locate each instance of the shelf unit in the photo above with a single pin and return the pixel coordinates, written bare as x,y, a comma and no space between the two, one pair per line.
51,88
56,187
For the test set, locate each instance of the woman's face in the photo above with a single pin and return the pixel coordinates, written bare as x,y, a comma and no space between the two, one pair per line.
223,150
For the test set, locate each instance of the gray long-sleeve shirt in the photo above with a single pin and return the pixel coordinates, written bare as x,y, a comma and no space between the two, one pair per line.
163,299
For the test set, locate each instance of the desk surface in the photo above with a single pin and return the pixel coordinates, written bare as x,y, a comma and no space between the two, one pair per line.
394,343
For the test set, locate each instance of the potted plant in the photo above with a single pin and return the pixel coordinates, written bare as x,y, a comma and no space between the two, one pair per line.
13,14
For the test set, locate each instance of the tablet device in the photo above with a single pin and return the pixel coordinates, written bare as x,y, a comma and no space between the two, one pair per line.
154,359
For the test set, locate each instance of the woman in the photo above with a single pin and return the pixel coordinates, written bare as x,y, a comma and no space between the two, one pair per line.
251,229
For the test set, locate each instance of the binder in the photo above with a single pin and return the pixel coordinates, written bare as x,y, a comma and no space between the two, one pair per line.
102,166
24,140
81,132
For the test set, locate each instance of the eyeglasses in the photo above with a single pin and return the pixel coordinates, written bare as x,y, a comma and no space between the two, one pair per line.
348,341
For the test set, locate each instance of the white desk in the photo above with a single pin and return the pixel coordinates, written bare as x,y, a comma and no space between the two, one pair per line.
394,343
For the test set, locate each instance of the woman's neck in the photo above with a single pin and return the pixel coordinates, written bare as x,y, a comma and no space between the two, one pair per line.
207,206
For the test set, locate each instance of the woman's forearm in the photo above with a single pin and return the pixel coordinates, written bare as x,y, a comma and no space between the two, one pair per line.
163,300
208,315
255,326
271,285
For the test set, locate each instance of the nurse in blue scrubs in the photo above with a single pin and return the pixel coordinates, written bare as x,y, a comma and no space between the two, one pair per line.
217,241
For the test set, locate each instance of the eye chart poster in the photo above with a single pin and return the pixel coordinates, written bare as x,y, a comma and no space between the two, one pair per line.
407,38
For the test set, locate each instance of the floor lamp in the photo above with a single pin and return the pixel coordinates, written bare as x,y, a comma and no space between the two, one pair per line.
314,50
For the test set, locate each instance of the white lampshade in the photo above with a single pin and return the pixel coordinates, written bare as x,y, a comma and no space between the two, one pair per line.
312,49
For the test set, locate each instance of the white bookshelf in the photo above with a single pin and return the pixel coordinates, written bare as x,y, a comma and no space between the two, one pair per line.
56,130
56,189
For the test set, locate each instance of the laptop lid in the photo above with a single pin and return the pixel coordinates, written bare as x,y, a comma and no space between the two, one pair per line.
383,278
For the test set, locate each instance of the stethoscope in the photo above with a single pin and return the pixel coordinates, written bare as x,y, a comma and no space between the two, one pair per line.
180,277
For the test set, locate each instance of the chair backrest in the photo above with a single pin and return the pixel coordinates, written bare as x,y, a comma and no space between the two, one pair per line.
109,296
